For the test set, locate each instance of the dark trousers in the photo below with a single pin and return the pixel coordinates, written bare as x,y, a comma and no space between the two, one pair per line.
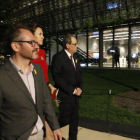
69,114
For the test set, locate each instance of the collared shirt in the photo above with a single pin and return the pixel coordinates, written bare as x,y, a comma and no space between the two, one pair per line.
69,56
28,80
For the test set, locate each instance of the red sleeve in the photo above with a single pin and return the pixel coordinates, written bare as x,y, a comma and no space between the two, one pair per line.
41,60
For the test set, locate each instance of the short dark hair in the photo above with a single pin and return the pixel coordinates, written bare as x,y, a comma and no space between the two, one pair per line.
13,33
67,40
33,26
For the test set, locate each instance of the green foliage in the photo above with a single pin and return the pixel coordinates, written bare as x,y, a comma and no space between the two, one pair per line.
87,24
78,31
101,20
4,6
120,20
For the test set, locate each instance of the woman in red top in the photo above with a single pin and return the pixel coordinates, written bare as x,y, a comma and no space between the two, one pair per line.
38,33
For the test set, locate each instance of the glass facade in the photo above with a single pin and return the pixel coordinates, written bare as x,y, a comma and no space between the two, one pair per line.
121,43
135,47
104,28
115,41
107,48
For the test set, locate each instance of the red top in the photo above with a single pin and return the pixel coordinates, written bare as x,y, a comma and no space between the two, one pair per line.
42,61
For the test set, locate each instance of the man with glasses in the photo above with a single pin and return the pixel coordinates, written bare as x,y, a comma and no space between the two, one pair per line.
24,97
67,75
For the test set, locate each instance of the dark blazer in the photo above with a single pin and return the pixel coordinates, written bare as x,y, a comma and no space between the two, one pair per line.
18,113
65,76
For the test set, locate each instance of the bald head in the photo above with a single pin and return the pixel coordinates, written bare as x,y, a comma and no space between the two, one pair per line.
24,34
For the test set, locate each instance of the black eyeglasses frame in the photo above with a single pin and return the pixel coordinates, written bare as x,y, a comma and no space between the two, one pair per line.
30,42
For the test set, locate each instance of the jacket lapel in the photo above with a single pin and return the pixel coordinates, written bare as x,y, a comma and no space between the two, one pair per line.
13,74
75,60
36,84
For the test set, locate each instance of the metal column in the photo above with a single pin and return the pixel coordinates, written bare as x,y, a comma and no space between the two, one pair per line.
113,43
129,48
57,45
100,47
87,44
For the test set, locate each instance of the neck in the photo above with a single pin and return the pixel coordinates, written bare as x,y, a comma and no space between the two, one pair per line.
22,63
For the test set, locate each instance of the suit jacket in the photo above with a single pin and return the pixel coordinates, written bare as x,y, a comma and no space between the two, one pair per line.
18,112
65,76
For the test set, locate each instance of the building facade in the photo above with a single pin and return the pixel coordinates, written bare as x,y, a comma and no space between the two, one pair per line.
102,27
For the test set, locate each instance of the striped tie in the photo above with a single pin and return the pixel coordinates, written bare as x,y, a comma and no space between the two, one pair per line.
72,62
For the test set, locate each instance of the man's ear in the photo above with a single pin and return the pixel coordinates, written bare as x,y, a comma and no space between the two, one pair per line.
15,46
67,45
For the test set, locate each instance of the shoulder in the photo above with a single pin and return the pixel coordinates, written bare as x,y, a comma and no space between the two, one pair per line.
59,54
5,70
7,66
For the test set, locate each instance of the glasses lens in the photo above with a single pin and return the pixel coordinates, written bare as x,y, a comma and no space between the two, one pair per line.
34,43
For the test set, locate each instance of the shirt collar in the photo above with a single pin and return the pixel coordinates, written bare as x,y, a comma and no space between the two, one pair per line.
68,53
31,67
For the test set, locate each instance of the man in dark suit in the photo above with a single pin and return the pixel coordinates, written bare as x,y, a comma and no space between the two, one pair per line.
67,75
24,97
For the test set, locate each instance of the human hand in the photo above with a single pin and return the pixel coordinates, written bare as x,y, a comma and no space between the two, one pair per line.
57,134
78,91
52,88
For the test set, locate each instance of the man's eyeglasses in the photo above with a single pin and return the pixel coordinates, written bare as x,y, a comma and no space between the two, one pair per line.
74,44
33,43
